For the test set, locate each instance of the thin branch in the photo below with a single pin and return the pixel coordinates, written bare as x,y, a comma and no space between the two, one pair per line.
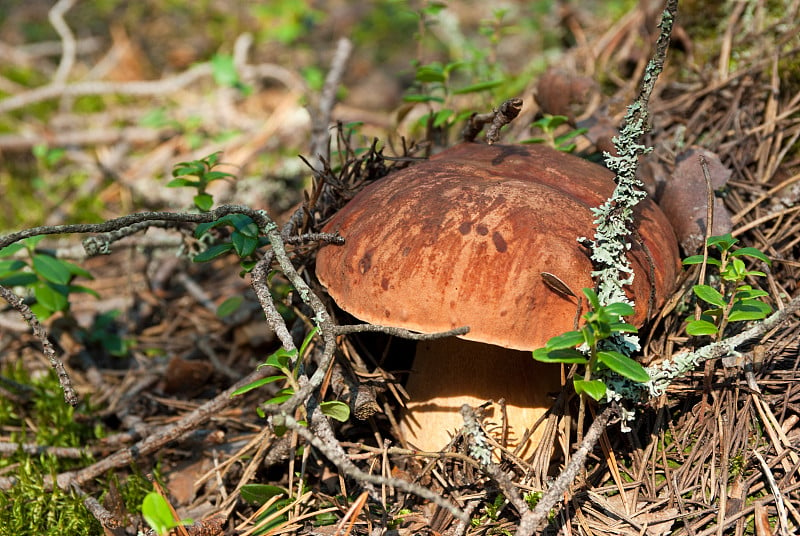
70,396
69,46
320,138
349,469
533,519
496,119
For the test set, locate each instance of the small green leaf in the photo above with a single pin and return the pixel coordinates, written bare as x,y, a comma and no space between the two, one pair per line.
11,249
619,309
204,202
697,328
749,310
224,70
430,73
229,306
745,292
594,388
256,384
53,297
244,245
423,98
51,269
18,279
280,358
156,513
179,183
441,117
623,365
335,410
709,294
283,396
722,242
569,339
11,266
698,259
751,252
559,356
480,86
213,252
623,327
591,295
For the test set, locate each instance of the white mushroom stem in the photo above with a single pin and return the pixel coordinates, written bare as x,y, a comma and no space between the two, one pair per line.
448,373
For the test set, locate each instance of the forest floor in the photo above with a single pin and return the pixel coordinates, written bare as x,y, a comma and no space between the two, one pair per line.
99,102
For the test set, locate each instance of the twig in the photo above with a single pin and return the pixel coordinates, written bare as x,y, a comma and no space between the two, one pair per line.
320,138
347,467
138,88
398,332
69,47
532,520
160,437
497,119
70,396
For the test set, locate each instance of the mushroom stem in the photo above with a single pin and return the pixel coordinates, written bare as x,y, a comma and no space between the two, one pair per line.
450,372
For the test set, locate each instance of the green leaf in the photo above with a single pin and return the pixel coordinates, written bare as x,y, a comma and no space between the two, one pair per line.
697,328
261,493
229,306
430,73
285,394
11,266
623,327
722,242
244,245
179,183
77,270
256,384
217,175
194,168
52,297
619,309
480,86
441,117
623,365
213,252
280,358
751,252
745,292
559,356
51,269
80,289
698,259
224,70
749,310
591,295
593,388
204,202
19,279
11,249
335,410
709,294
156,513
423,98
569,339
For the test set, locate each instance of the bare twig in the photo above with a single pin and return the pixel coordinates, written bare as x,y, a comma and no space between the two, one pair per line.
497,119
532,520
347,467
320,138
69,47
70,396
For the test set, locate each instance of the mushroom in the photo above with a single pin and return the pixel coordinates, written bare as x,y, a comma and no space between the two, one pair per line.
463,239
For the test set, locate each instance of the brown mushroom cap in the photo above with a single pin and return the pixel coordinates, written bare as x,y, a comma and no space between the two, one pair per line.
463,239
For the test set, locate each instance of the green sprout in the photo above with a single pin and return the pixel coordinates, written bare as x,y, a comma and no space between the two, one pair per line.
732,300
585,347
548,125
288,364
158,514
48,278
199,174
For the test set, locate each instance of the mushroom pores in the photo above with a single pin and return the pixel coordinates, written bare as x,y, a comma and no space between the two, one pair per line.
464,238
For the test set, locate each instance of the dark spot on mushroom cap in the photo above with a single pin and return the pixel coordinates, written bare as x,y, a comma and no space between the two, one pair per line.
365,263
499,242
481,229
465,227
385,283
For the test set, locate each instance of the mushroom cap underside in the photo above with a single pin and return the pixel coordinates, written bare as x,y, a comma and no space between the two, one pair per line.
462,239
